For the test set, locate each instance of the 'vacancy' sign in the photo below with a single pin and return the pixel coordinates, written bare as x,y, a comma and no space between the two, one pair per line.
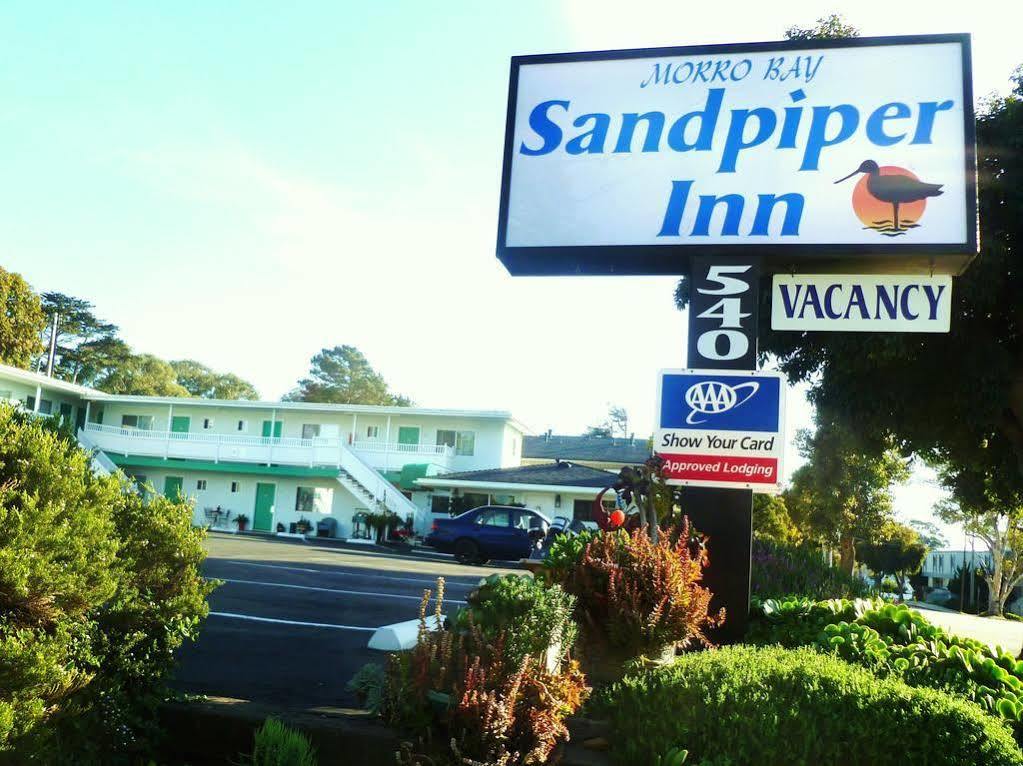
871,303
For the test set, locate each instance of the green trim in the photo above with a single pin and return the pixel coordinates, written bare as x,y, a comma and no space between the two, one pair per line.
410,472
137,461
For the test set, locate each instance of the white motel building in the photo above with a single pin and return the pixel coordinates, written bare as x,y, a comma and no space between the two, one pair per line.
278,462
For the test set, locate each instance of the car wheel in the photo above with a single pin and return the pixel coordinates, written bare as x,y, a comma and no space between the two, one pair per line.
467,552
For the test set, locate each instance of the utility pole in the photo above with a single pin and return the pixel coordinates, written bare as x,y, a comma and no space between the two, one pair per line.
53,345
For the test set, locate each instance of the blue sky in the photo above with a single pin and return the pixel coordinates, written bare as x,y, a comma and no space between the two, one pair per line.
245,183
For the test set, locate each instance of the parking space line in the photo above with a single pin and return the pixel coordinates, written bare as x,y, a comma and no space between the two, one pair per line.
331,590
234,616
418,580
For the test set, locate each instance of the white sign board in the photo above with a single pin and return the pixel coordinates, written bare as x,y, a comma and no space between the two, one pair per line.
865,303
616,162
720,428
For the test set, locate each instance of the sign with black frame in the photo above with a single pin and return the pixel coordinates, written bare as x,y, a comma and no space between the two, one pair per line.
852,155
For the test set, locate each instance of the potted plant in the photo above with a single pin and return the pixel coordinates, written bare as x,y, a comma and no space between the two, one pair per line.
303,526
242,521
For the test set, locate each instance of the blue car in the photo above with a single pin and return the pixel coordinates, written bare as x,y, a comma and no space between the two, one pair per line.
489,532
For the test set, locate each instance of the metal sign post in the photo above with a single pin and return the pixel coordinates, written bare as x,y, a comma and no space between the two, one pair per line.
723,309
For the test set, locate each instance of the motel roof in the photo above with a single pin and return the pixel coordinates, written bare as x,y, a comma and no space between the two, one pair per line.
92,394
544,476
594,449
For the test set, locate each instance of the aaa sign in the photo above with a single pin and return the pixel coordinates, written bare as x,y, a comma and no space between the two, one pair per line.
721,429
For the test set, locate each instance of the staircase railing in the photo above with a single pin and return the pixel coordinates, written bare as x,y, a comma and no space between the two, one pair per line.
374,482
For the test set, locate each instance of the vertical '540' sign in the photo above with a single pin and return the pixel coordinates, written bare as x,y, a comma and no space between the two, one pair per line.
722,313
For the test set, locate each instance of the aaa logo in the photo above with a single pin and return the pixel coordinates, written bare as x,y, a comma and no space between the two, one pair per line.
712,397
889,199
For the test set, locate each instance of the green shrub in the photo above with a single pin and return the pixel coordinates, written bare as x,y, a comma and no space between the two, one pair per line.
778,571
97,590
564,555
797,621
278,745
745,705
894,640
476,700
368,685
534,616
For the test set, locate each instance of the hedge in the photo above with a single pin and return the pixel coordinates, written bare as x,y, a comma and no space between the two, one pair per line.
99,587
745,705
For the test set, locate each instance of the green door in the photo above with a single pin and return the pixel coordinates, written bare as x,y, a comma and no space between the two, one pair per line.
172,487
408,435
276,429
180,424
263,514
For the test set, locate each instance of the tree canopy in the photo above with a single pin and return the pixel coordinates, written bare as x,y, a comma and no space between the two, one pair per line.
142,375
615,423
343,375
897,551
929,534
842,495
21,321
996,518
771,520
199,380
86,346
832,27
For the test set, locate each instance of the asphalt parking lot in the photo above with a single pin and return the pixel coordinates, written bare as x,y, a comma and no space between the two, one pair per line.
291,622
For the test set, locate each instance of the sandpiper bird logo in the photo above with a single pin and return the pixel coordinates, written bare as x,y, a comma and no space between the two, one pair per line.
889,199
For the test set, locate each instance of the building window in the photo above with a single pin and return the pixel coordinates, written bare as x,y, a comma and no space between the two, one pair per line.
314,499
65,412
305,499
45,406
504,500
242,426
207,424
372,432
463,442
138,422
466,443
200,485
235,486
310,430
440,504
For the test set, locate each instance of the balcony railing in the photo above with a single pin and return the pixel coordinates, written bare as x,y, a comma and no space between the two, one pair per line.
261,449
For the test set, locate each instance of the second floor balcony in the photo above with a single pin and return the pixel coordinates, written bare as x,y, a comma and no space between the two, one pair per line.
261,449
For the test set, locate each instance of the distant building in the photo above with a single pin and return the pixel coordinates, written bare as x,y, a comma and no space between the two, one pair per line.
561,488
941,566
605,453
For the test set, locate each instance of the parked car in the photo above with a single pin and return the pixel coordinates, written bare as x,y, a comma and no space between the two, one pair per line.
939,596
489,532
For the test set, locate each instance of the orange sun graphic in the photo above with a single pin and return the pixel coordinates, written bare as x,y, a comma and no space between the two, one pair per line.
874,213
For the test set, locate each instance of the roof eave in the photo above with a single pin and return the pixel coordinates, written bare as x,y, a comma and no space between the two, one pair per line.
433,481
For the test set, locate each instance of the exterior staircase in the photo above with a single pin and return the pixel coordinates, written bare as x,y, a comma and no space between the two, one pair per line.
370,486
